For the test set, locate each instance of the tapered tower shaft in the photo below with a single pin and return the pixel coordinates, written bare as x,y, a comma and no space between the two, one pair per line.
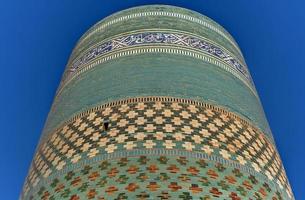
156,102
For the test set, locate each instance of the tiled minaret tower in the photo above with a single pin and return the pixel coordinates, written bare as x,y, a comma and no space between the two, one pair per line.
156,103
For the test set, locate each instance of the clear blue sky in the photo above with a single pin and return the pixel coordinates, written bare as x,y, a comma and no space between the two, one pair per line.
36,38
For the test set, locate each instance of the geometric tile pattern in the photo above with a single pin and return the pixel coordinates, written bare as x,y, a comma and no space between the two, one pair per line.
159,123
156,177
156,147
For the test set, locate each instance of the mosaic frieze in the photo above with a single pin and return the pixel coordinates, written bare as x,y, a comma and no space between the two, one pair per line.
159,38
156,177
156,123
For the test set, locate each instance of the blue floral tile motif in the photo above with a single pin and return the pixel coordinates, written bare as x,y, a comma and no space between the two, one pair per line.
159,38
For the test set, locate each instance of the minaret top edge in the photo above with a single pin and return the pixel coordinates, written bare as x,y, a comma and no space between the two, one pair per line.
158,10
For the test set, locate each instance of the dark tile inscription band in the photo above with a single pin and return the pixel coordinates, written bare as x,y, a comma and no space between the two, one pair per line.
159,38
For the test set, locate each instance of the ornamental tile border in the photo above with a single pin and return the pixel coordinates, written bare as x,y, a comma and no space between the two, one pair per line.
158,37
163,30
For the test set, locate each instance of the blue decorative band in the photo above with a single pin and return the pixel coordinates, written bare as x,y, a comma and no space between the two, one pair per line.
159,38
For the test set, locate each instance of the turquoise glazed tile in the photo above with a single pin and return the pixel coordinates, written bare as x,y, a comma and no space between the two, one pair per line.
156,102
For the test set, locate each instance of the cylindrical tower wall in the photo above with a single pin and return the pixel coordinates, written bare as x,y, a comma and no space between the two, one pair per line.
156,102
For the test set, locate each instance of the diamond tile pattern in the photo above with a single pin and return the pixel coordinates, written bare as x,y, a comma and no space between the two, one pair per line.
153,123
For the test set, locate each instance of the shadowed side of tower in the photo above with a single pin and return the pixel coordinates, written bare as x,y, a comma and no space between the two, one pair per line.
156,102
